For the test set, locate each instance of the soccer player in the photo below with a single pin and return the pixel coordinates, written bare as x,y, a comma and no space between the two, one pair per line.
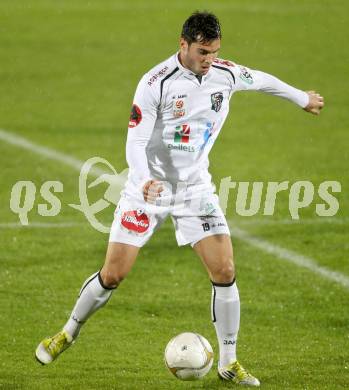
178,111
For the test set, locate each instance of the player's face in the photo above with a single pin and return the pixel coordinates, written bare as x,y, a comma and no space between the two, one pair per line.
198,57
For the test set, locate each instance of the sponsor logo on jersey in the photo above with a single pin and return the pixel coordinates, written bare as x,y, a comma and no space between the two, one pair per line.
135,220
182,134
223,62
182,147
245,75
135,117
160,74
216,100
208,133
180,96
178,106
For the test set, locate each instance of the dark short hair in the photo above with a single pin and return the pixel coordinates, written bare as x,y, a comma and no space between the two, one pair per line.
201,27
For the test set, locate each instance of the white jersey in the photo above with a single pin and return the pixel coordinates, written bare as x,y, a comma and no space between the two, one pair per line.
177,116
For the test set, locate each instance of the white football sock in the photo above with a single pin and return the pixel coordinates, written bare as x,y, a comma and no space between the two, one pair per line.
225,307
93,295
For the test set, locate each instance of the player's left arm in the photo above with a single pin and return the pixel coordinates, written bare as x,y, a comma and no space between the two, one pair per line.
316,103
255,80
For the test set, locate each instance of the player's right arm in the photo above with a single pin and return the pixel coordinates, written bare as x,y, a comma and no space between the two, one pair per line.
141,126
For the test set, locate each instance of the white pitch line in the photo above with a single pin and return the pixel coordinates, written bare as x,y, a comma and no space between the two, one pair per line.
289,255
49,153
302,221
18,225
279,252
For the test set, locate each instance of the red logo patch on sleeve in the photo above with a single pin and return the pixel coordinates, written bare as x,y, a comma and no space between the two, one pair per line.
135,220
223,62
135,117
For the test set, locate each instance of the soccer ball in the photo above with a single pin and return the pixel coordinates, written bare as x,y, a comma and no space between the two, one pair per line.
189,356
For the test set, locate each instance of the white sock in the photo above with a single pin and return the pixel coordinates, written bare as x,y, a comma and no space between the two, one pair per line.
225,307
93,295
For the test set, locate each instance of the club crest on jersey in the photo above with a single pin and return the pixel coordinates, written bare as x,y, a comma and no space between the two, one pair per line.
135,220
179,107
216,100
135,117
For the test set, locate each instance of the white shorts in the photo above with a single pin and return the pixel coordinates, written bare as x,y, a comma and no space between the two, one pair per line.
135,222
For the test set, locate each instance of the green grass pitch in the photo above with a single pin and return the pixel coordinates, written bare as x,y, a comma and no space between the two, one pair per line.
68,71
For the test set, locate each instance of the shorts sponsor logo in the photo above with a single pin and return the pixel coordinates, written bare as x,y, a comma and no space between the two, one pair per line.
135,220
135,117
216,100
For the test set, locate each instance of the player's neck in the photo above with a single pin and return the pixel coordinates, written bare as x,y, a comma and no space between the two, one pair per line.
180,59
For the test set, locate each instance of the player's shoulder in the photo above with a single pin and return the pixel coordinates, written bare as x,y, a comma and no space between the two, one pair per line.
226,68
227,64
160,72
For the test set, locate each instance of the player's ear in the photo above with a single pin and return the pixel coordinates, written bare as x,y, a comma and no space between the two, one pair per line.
183,44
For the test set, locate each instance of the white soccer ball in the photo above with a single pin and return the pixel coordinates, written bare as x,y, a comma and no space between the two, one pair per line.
189,356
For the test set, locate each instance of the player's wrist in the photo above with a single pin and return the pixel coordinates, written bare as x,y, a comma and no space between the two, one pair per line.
305,100
146,181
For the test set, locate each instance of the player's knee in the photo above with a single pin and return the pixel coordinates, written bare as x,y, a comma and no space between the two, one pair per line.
111,279
225,273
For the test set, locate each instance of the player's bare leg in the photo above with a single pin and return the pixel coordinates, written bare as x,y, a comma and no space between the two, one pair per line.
216,253
94,294
118,263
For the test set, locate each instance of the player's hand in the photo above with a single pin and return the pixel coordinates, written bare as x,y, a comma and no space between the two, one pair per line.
152,190
316,103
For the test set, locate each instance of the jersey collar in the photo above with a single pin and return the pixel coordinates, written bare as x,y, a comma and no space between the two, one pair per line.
187,72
